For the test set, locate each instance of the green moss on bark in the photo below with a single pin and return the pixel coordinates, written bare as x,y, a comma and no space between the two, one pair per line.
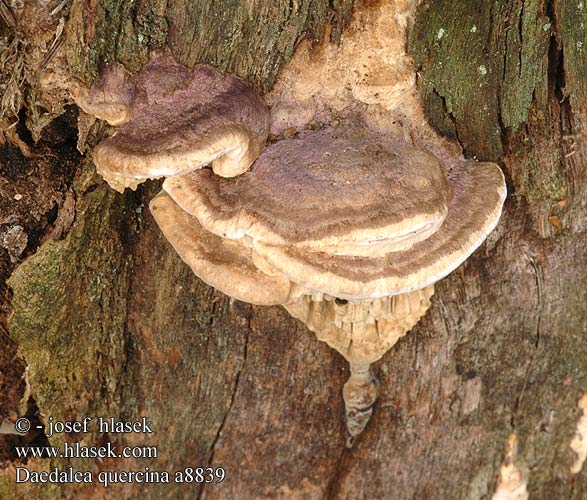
250,39
572,23
489,77
485,60
71,330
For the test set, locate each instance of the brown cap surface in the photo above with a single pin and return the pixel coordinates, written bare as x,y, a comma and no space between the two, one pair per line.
182,120
224,264
343,191
479,193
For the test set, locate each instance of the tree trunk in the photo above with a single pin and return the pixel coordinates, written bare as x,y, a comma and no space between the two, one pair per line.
483,394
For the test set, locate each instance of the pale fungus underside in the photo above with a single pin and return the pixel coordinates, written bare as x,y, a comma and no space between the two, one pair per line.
345,227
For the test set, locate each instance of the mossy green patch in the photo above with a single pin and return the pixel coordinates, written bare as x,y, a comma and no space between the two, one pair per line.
248,39
485,60
572,25
484,68
69,318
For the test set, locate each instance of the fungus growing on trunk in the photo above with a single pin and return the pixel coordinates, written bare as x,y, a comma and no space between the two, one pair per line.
174,120
348,229
345,227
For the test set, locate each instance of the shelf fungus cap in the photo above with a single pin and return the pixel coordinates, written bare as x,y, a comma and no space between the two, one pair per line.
224,264
345,228
180,120
344,191
349,213
479,193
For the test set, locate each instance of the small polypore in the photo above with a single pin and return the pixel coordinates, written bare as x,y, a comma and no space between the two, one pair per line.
110,98
175,120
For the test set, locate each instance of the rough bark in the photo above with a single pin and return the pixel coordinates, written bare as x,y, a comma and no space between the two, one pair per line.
110,322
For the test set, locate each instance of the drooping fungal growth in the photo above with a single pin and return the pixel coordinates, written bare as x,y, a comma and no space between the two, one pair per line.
344,227
174,120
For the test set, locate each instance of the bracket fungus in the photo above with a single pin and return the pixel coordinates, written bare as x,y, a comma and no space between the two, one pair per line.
345,227
173,120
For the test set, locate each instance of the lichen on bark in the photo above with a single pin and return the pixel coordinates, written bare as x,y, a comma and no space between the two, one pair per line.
490,75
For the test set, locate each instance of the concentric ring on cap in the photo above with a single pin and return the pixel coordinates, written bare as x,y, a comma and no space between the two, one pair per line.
344,191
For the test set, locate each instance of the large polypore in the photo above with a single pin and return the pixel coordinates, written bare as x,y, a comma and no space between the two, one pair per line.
348,213
345,227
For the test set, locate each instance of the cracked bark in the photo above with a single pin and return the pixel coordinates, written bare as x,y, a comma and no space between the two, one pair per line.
232,398
132,332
